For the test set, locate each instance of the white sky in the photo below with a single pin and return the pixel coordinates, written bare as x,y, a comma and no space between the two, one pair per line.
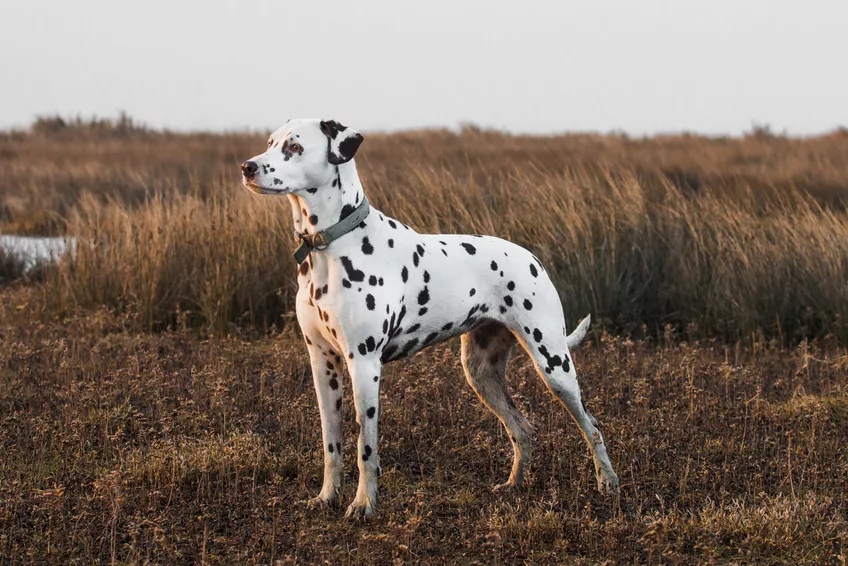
641,66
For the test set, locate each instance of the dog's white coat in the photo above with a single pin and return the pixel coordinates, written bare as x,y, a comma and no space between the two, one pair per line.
384,291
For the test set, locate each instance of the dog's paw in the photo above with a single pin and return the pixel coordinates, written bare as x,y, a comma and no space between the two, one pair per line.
324,500
362,507
607,482
505,487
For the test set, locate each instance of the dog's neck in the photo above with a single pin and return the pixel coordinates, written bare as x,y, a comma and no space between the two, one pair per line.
317,211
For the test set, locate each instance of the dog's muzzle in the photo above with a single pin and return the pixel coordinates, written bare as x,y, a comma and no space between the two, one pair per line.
249,169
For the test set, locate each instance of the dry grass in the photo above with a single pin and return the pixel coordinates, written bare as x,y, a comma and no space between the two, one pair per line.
174,448
726,254
156,406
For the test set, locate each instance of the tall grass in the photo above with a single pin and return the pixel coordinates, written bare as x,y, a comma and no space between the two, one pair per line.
637,253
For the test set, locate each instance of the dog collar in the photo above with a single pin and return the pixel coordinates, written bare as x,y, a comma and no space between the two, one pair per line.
321,240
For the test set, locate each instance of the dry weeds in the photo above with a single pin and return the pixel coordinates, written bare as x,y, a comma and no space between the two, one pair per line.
176,448
156,404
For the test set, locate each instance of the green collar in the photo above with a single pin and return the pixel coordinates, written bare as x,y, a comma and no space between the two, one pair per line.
321,240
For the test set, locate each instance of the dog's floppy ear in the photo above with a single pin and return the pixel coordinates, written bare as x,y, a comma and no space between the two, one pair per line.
342,142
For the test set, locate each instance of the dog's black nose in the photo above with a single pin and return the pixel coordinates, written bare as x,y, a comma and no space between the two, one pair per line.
249,168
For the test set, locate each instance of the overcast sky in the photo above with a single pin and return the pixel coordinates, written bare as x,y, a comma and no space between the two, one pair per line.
641,66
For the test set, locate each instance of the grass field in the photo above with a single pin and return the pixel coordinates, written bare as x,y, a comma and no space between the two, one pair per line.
155,398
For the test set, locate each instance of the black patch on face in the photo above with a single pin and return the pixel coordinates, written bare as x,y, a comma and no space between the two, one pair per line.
334,383
367,452
385,326
469,248
304,267
430,337
352,273
392,224
415,258
369,301
367,248
413,328
533,271
376,378
372,280
347,210
527,304
312,191
362,350
369,343
330,448
423,296
313,219
422,311
419,249
339,404
508,300
349,145
444,252
537,335
391,243
346,283
494,266
447,327
511,285
426,277
308,341
404,274
471,292
502,309
370,412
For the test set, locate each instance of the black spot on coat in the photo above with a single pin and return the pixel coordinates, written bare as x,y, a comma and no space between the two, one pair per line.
352,273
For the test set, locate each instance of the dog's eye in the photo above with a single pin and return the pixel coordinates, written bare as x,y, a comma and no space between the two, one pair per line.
296,148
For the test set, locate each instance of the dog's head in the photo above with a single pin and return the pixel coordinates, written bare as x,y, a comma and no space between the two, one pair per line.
301,155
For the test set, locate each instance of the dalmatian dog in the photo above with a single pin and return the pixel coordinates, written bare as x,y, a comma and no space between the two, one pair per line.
371,290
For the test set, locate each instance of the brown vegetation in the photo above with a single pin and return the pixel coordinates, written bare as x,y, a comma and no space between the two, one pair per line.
722,237
155,398
169,448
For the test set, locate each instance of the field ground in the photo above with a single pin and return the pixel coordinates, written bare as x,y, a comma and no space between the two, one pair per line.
178,448
156,404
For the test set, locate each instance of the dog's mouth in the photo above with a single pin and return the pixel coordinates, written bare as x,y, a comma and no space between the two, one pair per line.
255,187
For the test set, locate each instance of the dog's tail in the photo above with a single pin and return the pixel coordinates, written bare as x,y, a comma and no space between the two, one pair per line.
576,337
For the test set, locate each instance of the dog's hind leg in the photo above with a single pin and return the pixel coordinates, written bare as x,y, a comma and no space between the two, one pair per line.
485,352
553,363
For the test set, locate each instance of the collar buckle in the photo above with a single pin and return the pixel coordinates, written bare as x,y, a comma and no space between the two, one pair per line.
320,241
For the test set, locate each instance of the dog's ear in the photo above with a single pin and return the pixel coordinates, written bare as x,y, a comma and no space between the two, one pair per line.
342,142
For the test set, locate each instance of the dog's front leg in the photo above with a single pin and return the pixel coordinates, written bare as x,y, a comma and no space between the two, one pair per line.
326,375
365,377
